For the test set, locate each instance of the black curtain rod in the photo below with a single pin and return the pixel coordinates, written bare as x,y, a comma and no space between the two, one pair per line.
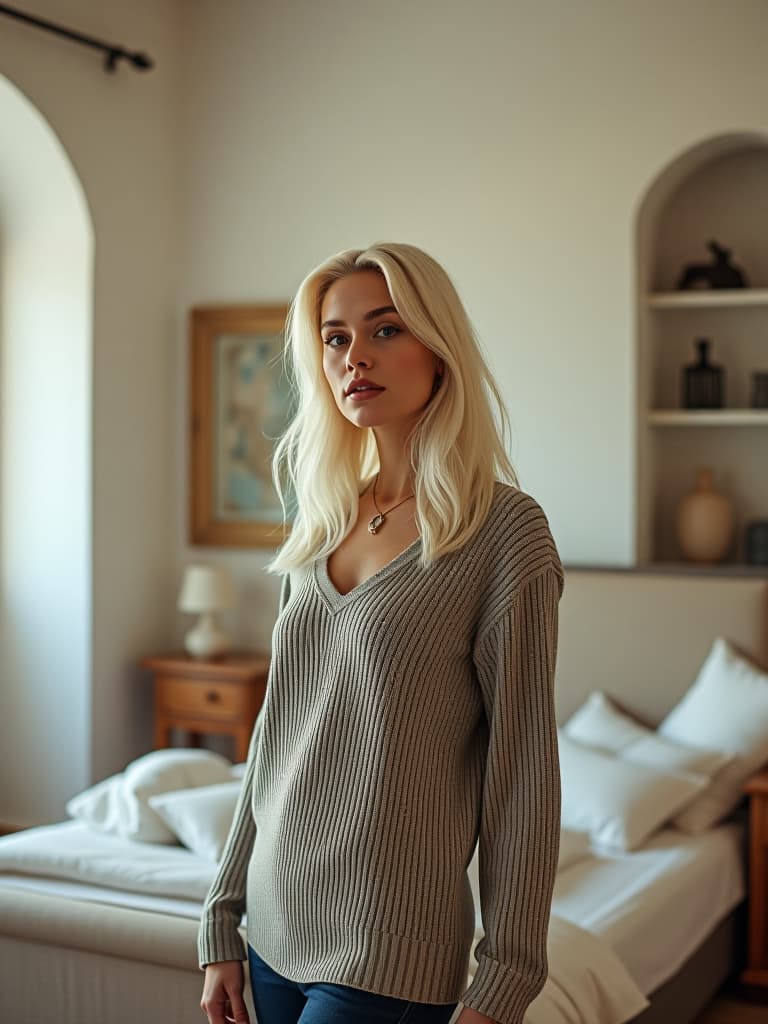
112,53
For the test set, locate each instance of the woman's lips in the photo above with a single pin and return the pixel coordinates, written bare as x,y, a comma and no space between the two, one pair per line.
364,396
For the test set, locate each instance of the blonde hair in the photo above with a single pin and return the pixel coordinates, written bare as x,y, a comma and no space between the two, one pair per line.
457,449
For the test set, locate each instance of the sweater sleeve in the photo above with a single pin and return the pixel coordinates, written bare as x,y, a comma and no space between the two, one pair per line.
520,818
218,936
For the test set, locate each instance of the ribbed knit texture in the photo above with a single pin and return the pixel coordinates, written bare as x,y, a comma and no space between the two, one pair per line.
402,722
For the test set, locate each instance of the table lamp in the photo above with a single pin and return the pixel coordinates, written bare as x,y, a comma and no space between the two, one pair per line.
206,589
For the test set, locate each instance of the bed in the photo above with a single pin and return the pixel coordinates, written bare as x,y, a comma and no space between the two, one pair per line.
97,927
110,937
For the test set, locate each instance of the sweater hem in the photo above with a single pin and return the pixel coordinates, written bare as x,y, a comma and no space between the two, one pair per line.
389,965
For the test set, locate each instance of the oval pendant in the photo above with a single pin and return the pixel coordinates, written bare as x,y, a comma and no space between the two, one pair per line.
375,523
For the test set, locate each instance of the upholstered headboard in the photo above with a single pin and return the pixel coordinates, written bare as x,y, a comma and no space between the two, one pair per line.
642,638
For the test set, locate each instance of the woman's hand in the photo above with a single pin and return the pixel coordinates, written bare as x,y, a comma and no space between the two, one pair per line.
470,1016
222,1000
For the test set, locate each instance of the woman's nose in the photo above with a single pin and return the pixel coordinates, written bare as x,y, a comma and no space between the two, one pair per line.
357,355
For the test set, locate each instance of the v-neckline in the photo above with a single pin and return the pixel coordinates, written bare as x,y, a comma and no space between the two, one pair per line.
335,599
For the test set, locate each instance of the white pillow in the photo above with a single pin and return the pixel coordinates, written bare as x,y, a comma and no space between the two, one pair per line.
98,806
599,723
726,708
661,752
619,803
201,817
574,846
119,805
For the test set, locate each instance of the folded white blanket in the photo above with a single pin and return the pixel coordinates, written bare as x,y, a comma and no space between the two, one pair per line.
587,982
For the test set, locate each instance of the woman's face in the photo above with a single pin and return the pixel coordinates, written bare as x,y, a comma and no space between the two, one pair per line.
365,339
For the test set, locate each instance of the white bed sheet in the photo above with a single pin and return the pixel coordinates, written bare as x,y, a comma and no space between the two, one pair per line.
74,852
101,894
656,905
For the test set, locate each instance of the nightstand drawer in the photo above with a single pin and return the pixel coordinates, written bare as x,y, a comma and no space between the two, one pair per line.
197,697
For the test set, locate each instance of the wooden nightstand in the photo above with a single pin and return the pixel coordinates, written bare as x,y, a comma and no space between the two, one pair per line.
220,696
756,972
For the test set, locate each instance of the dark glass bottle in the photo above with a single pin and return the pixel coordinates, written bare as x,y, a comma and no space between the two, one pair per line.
760,389
757,542
703,382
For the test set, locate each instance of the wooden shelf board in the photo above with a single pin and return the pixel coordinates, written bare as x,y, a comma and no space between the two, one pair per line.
723,297
722,570
708,418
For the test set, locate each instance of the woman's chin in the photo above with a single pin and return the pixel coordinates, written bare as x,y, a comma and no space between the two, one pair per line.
376,415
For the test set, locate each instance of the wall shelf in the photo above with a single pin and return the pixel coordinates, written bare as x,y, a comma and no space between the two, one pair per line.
715,191
725,298
708,418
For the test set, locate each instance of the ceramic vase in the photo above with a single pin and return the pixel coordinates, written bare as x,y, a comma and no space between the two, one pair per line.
705,521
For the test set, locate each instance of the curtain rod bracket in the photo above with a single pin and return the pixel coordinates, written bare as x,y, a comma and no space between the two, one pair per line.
139,60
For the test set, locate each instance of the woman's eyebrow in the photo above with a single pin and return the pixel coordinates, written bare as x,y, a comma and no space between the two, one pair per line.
368,316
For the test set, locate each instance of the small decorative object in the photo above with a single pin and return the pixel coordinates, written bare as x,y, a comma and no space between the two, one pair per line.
757,542
206,589
760,389
720,273
705,522
703,382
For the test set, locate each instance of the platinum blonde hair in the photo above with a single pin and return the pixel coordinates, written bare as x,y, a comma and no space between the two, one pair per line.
457,448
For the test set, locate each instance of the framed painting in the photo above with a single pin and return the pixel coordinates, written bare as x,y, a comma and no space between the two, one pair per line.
240,404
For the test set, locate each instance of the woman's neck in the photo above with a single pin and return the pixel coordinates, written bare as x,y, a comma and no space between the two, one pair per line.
395,479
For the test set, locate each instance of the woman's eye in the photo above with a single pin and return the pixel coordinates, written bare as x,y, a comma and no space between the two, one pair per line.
337,340
331,340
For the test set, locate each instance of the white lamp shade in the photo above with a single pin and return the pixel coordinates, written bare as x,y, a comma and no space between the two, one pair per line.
206,588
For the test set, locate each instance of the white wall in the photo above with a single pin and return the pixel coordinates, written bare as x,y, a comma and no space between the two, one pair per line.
119,132
512,140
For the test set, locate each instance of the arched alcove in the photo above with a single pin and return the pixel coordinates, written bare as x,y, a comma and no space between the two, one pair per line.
715,190
46,272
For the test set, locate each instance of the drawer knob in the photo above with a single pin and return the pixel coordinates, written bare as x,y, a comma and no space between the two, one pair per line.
213,696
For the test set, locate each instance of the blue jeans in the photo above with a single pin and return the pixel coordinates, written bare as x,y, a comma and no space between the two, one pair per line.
280,1001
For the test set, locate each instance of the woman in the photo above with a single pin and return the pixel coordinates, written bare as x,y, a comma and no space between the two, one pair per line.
409,712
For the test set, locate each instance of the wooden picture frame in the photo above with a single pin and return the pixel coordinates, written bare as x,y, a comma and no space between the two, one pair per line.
239,405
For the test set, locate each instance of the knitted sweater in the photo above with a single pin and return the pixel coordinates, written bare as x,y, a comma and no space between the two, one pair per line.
404,722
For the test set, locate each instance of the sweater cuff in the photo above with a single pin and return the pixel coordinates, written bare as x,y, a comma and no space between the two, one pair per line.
500,992
215,944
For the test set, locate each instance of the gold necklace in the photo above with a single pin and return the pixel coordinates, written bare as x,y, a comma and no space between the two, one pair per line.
378,520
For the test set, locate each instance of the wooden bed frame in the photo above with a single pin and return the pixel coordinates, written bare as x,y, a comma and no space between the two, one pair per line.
641,639
685,995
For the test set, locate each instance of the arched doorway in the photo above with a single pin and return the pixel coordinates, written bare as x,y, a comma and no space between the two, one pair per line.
46,298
